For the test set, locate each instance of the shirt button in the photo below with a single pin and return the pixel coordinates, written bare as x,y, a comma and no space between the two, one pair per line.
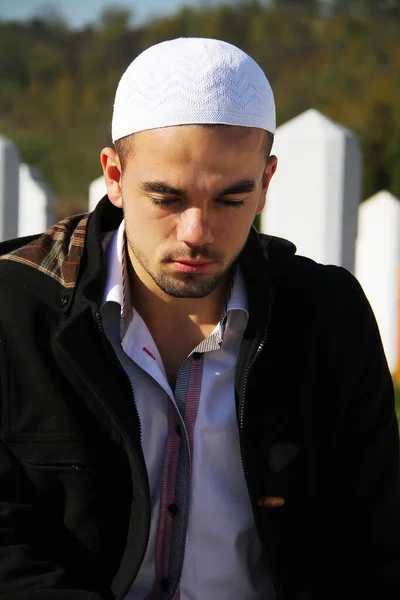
173,508
165,585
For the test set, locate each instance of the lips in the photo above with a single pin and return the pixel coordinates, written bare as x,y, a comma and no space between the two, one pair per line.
192,266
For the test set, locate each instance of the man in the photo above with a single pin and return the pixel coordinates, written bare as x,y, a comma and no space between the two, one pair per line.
190,410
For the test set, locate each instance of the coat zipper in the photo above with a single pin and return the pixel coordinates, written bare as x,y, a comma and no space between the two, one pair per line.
246,376
242,407
101,329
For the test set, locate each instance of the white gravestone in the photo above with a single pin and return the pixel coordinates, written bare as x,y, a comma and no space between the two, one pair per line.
377,265
37,204
97,190
315,193
9,184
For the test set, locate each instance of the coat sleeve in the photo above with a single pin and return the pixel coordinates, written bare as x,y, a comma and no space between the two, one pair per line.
364,506
26,569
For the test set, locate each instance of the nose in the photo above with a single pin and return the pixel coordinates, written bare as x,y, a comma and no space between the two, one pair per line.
194,227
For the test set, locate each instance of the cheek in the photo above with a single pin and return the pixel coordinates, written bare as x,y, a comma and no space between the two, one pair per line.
148,233
234,228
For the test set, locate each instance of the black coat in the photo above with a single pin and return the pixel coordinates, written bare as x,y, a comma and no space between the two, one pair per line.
315,413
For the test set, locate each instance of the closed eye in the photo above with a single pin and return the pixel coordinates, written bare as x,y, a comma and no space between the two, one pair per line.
164,201
232,203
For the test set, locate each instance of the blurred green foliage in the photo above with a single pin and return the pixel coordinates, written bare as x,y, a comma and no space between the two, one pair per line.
343,58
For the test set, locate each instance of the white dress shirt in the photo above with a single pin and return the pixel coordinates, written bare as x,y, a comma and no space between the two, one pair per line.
220,549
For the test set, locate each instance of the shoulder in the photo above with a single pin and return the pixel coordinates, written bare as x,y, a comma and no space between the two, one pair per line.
330,283
39,265
291,269
329,293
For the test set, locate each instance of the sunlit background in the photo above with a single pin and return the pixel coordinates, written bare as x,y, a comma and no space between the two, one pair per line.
60,62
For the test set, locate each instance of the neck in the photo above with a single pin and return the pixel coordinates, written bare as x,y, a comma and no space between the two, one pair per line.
177,325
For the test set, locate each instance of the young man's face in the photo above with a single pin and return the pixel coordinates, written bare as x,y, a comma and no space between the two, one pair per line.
189,196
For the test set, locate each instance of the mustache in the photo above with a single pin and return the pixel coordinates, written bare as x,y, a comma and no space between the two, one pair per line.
194,253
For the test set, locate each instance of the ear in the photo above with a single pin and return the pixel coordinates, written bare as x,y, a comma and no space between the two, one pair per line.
112,175
270,169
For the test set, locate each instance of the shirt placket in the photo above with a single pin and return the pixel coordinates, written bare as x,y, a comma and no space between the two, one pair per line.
176,480
175,487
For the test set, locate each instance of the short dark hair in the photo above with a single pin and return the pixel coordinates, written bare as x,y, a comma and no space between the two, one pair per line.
124,146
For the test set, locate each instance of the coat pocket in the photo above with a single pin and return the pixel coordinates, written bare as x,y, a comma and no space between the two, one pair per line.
61,464
51,465
53,453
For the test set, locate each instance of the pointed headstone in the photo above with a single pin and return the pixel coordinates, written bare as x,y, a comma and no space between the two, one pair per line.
37,203
97,190
377,266
9,185
315,193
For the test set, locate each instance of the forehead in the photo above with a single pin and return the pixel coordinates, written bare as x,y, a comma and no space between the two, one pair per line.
202,147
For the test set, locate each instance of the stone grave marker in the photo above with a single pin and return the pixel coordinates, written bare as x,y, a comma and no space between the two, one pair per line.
97,190
315,193
377,266
37,203
9,186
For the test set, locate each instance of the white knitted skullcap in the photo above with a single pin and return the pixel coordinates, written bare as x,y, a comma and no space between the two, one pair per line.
192,81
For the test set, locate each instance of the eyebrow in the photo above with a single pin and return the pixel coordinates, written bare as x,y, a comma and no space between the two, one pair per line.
245,186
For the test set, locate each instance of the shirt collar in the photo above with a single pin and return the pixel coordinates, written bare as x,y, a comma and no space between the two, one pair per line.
238,297
113,245
117,287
